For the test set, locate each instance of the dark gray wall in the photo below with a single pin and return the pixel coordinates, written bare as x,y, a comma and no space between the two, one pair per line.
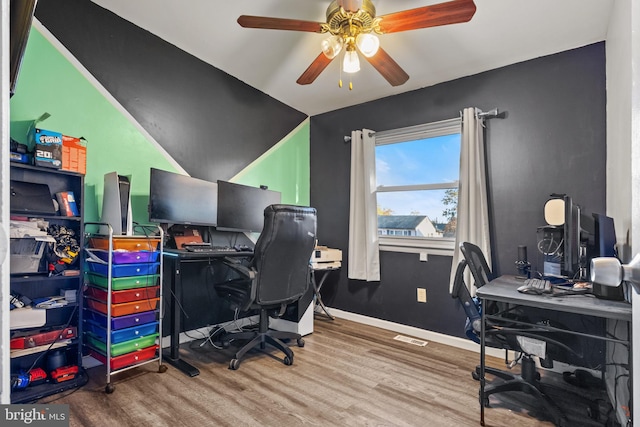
212,124
553,141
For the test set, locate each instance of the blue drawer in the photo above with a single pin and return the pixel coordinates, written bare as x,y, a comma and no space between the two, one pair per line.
121,335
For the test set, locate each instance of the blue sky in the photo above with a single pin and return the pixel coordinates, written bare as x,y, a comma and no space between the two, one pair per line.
433,160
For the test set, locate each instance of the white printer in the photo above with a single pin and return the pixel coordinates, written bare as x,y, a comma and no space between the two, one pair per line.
326,258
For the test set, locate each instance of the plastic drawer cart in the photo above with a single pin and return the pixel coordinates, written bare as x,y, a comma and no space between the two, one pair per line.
123,298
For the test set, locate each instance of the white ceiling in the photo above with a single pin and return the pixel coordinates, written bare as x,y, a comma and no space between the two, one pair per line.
502,32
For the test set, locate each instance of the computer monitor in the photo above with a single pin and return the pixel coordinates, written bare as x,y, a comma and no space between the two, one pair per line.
572,247
241,207
181,199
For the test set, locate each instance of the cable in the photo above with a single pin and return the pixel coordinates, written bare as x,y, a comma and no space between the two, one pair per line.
75,308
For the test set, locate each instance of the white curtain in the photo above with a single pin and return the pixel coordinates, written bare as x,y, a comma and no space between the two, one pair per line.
364,260
473,209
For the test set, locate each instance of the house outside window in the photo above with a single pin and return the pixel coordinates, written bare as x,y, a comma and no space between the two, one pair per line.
417,173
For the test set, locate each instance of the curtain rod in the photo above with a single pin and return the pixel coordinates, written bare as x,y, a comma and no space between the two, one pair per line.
347,138
492,114
484,115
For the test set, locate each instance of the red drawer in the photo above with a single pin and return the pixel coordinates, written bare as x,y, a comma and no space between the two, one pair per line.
118,297
128,359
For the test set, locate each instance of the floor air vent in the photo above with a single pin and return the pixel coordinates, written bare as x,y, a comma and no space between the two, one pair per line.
410,340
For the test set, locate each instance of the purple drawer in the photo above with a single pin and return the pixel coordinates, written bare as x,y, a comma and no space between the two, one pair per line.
126,257
122,321
124,270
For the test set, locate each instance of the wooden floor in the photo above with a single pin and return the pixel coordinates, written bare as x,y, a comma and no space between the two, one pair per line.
347,374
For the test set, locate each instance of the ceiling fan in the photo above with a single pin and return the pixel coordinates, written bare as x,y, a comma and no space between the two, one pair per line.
352,24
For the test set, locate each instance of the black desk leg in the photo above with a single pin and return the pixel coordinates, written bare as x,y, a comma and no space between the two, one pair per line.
173,355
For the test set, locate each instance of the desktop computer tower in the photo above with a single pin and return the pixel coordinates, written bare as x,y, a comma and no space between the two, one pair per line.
604,245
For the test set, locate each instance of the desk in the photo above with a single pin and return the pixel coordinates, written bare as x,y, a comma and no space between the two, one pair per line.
504,289
175,260
325,269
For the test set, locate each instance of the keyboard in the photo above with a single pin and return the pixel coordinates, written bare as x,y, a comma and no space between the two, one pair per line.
536,287
208,249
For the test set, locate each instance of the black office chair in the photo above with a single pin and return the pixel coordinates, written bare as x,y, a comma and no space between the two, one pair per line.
504,335
478,265
277,275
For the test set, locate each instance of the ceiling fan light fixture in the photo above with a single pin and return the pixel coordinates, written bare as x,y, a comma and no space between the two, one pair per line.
351,63
332,46
368,44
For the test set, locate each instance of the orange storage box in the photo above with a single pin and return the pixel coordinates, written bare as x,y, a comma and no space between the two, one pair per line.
118,297
128,359
74,154
124,308
125,243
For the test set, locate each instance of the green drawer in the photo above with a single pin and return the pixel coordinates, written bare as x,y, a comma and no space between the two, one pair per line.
123,347
122,283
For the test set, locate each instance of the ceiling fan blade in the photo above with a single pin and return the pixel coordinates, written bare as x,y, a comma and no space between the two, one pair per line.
248,21
389,68
451,12
350,5
314,70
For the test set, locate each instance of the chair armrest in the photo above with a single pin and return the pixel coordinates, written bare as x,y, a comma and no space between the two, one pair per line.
236,264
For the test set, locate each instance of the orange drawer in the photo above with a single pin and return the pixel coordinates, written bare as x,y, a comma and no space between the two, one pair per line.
124,308
125,243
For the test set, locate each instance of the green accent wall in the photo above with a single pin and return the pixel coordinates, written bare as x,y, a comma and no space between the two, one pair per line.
284,168
48,82
51,83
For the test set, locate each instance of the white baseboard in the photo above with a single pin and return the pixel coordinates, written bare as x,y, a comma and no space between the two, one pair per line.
424,334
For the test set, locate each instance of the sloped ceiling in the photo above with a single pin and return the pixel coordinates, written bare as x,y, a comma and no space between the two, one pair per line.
502,32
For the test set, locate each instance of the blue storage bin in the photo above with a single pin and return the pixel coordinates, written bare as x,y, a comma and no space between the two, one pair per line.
124,270
121,335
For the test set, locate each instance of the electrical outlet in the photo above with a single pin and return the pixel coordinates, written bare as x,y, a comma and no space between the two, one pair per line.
422,295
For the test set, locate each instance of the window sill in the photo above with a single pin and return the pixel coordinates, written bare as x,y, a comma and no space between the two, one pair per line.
444,247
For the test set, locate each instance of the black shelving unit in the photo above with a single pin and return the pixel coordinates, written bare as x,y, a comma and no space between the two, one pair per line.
39,284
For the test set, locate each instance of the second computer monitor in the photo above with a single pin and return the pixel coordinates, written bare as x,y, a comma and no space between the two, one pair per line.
241,207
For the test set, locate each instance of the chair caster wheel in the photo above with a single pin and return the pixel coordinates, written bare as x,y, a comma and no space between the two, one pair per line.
475,375
288,360
110,388
234,364
162,369
300,342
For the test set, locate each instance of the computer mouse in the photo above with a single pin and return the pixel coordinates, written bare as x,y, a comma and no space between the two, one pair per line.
524,289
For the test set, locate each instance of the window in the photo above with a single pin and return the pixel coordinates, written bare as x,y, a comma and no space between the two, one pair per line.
417,173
